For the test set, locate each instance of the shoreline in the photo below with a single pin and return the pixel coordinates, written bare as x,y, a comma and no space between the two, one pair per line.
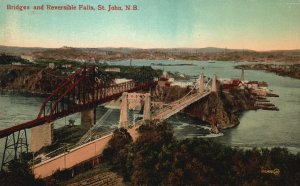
24,93
291,70
204,60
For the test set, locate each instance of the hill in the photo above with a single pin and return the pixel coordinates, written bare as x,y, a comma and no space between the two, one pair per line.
115,54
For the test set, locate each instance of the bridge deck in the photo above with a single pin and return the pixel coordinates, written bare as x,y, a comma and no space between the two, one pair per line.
75,108
95,147
177,106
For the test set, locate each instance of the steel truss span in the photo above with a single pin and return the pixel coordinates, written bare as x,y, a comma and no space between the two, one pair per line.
78,92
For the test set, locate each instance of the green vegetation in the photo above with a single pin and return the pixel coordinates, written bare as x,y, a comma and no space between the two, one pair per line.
120,138
8,59
29,78
18,173
292,70
157,158
139,74
38,79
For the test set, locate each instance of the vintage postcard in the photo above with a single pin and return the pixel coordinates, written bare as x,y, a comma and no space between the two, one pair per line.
149,92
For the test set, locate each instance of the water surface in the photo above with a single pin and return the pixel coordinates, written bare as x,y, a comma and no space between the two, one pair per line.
256,129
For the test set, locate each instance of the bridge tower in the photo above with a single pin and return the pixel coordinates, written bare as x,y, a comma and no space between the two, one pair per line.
147,107
131,101
214,84
201,84
242,75
124,111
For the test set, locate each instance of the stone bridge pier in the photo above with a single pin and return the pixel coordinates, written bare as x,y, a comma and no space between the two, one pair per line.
124,111
88,118
41,136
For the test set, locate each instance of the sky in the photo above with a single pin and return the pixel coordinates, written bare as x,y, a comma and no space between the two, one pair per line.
239,24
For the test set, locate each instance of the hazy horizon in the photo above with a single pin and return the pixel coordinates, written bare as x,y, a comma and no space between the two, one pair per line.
260,25
104,47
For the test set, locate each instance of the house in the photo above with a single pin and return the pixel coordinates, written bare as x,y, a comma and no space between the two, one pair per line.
113,70
51,65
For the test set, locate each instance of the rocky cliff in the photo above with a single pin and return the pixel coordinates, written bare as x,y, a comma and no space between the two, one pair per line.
220,110
28,79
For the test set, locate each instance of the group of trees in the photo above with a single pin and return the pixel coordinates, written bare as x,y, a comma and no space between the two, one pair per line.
139,74
46,80
8,59
18,173
157,158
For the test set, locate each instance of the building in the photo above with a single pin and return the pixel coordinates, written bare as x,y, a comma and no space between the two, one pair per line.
113,70
51,65
182,84
67,66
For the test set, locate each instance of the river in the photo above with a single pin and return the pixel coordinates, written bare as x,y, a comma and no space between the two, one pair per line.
259,128
256,129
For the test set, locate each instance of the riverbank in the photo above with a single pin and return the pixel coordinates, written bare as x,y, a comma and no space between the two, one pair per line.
292,70
169,64
32,79
29,79
222,110
219,110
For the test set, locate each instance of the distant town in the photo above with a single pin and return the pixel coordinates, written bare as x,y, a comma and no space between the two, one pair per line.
101,55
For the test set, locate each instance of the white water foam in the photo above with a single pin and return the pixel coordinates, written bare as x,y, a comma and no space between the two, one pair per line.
212,135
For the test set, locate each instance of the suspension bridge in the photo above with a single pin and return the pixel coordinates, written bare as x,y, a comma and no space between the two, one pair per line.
81,93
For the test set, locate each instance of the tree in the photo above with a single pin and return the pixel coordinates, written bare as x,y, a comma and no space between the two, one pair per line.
145,74
152,154
119,140
18,174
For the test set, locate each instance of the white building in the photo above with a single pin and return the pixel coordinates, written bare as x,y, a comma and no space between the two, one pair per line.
113,70
182,84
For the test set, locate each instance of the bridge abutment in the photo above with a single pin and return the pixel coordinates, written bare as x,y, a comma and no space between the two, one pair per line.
88,118
41,136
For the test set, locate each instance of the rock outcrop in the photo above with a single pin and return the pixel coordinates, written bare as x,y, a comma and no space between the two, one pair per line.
220,110
29,79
